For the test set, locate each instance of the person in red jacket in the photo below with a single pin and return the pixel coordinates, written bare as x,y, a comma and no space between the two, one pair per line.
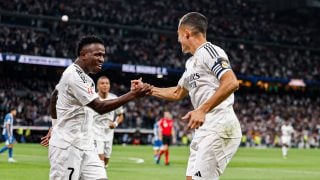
166,135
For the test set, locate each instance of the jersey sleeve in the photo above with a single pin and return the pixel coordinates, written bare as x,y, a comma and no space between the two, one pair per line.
218,65
181,80
119,110
7,119
83,90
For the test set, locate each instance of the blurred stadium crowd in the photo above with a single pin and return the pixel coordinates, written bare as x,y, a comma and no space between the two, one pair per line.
260,115
259,42
289,53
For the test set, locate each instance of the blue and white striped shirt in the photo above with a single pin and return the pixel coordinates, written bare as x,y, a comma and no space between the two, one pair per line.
8,120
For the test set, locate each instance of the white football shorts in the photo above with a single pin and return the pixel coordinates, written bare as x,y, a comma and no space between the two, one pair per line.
74,164
104,147
210,155
286,140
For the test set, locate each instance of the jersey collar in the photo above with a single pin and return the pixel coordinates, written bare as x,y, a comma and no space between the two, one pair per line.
78,67
201,46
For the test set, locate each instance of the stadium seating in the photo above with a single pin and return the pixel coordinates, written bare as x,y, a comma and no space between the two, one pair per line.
259,115
259,42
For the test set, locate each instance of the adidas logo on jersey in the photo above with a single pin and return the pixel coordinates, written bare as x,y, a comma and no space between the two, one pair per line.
198,174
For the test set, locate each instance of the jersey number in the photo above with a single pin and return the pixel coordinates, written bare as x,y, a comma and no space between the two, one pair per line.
70,176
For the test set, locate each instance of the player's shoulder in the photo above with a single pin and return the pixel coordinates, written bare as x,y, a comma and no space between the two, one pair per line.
7,116
75,74
189,60
68,73
211,51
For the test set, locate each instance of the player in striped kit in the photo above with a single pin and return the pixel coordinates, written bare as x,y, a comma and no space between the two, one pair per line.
103,125
8,134
157,143
210,82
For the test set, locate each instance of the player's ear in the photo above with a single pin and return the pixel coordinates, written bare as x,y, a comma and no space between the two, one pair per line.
82,53
187,33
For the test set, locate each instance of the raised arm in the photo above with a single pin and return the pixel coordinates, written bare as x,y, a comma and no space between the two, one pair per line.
170,93
108,105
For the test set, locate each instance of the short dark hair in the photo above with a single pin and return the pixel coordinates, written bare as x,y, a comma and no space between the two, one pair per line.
86,40
196,21
12,109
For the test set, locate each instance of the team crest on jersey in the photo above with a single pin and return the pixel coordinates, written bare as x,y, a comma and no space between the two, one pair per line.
224,63
90,88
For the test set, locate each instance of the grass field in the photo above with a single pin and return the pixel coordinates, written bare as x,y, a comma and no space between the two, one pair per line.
248,164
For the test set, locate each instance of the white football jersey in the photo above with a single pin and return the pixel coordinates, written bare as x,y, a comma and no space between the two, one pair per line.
74,120
287,130
101,123
202,79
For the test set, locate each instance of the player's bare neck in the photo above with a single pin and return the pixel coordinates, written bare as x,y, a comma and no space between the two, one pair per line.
197,42
82,65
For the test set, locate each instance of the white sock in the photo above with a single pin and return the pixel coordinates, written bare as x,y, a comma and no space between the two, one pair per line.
284,151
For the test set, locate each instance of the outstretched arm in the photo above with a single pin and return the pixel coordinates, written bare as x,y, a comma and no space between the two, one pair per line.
171,93
108,105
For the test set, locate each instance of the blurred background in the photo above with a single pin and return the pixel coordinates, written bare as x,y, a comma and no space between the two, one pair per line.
273,47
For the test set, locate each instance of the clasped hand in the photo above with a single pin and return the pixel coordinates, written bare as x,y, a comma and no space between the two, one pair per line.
140,88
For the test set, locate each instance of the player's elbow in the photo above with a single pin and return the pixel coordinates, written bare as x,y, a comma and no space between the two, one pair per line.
234,86
99,111
175,97
97,106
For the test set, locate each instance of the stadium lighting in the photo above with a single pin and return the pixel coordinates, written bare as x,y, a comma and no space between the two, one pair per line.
297,82
159,76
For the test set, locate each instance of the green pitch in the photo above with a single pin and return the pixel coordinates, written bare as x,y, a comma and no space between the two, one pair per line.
136,163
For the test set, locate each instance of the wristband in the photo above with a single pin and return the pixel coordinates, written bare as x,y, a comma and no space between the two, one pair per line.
116,123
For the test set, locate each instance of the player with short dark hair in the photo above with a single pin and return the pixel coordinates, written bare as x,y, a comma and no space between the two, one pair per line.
71,149
8,134
210,82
